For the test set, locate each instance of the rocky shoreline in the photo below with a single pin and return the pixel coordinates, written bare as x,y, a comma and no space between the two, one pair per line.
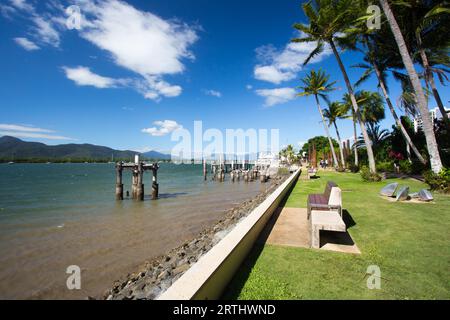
158,274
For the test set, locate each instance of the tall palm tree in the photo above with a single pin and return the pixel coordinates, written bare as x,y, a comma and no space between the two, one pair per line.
317,84
334,112
372,110
327,19
372,106
435,159
347,107
379,68
426,24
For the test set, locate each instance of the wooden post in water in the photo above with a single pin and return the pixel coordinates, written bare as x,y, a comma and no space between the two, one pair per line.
140,185
155,186
134,183
262,176
204,169
119,184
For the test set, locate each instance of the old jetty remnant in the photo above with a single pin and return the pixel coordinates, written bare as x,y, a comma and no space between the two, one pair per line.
137,187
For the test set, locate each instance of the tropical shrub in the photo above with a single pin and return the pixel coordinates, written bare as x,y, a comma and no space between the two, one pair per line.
368,176
385,166
438,182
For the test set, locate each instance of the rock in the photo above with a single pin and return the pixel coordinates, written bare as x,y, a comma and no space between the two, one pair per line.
164,274
181,269
164,285
153,293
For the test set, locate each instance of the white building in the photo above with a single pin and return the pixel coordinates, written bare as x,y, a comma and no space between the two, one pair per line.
435,114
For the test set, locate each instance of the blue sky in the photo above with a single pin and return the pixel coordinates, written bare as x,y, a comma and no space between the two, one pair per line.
136,70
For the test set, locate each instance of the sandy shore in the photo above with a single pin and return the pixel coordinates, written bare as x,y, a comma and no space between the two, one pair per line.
157,275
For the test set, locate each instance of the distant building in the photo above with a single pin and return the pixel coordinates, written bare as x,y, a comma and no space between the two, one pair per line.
435,114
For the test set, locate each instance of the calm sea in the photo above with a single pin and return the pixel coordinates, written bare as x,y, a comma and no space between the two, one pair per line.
56,215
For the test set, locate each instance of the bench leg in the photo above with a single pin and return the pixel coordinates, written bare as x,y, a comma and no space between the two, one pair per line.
315,237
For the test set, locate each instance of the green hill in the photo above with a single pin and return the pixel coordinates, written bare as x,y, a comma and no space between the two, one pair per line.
14,149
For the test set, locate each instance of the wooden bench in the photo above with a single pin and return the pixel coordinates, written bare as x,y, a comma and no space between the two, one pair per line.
311,173
330,200
324,220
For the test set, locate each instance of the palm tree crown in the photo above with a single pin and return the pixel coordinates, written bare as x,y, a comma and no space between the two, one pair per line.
317,84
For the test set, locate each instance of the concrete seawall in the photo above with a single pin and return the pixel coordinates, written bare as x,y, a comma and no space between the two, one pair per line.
210,275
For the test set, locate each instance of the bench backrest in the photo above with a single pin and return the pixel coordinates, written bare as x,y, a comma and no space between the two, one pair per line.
330,185
335,198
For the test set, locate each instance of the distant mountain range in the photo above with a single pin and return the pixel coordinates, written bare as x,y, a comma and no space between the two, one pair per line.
12,148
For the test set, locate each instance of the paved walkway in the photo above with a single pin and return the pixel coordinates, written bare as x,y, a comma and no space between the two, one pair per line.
290,227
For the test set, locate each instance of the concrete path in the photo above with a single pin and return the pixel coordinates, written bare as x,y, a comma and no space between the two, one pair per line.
290,227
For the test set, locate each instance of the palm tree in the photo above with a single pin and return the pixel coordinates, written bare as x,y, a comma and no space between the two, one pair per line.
380,69
347,107
435,159
327,18
334,112
289,154
427,24
372,106
377,136
372,111
317,85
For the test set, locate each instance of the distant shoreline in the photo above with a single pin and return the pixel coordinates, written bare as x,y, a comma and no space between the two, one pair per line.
20,161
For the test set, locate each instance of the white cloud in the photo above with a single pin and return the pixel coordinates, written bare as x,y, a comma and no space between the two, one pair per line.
22,131
163,128
272,74
26,44
18,127
45,31
22,5
34,135
83,76
140,42
213,93
249,87
276,96
277,66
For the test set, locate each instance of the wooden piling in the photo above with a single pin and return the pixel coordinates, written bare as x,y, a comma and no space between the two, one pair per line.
119,184
204,170
139,184
155,186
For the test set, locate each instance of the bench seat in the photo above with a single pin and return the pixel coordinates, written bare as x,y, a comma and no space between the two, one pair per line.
325,220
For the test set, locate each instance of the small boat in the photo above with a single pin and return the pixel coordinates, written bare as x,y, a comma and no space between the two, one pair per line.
11,162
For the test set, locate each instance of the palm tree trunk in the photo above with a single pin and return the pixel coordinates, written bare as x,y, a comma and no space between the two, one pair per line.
340,144
435,159
430,79
367,141
355,137
394,114
336,164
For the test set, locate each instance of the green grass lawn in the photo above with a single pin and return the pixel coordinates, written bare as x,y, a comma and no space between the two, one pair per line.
409,242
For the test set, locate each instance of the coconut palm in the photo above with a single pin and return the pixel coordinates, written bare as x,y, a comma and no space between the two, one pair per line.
435,159
371,106
374,65
334,112
425,25
327,19
377,136
289,153
317,84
